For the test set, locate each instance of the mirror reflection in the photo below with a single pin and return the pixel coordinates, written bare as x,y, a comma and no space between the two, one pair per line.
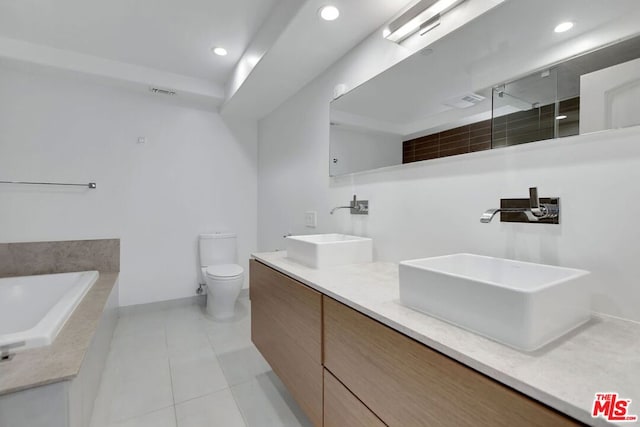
486,86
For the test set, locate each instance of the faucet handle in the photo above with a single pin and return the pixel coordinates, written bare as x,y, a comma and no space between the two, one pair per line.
538,210
354,202
534,201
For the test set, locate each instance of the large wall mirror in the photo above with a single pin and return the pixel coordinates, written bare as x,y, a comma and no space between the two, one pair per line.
506,78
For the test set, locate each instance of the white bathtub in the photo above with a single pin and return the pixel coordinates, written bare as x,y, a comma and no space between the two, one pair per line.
33,309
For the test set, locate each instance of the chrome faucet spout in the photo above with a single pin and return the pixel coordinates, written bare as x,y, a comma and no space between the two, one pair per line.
488,215
356,207
541,211
339,207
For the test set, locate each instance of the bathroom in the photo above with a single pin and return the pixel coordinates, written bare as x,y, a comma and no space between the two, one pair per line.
211,132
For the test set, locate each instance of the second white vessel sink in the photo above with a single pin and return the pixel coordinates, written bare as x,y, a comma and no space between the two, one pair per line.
327,250
521,304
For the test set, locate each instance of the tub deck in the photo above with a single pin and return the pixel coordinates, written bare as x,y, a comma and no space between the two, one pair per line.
61,360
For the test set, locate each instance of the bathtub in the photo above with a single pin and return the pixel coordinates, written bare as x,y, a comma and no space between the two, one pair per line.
33,309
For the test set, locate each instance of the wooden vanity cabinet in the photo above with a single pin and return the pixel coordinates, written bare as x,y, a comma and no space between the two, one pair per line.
342,408
346,369
286,326
408,384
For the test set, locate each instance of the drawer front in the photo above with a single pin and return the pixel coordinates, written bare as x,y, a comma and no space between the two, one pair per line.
286,328
295,308
407,384
342,408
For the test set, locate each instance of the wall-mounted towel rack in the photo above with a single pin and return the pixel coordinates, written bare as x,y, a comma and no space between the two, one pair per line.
89,185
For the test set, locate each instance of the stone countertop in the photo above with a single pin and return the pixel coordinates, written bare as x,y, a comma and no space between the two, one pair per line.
61,360
601,356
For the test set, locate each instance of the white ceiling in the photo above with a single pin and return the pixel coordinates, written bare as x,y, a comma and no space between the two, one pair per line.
307,47
173,36
142,43
485,52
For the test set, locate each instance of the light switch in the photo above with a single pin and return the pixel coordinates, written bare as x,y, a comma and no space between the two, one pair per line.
311,219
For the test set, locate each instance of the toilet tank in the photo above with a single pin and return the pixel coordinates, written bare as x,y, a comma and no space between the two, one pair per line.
217,248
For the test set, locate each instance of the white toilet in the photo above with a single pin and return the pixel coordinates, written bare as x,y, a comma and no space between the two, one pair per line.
220,272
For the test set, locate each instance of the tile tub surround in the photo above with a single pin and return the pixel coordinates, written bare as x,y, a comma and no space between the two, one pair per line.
565,375
30,258
63,359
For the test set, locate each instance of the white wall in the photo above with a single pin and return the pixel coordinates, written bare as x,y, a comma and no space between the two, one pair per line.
610,98
359,150
433,207
195,173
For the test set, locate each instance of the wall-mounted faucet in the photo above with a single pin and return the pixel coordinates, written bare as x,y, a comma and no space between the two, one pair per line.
532,210
357,207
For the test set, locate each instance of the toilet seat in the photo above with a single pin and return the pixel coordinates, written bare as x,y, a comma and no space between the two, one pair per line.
224,271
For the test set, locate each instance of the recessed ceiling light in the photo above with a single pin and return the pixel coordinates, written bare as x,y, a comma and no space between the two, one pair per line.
329,13
561,117
220,51
565,26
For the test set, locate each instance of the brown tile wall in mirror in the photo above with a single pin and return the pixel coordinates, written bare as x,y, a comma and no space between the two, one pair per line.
571,125
524,126
463,139
512,129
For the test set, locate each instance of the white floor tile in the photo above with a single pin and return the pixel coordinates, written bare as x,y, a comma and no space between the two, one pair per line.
213,410
184,313
141,388
184,340
196,374
147,344
228,336
178,363
264,402
139,323
242,365
162,418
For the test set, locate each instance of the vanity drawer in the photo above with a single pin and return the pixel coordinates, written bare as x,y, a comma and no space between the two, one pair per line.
294,307
342,408
407,384
286,327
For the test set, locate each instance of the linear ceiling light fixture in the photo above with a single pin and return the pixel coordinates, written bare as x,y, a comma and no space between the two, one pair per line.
423,17
429,25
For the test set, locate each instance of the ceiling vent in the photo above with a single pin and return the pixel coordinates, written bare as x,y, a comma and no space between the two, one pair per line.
465,101
160,91
426,51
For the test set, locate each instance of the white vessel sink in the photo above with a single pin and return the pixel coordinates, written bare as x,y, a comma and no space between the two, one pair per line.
327,250
520,304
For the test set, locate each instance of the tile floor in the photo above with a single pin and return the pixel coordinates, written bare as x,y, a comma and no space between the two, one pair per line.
178,368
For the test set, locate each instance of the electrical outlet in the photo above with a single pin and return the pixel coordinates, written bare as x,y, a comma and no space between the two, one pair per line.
311,219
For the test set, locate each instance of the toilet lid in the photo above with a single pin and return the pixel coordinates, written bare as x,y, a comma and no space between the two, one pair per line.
224,270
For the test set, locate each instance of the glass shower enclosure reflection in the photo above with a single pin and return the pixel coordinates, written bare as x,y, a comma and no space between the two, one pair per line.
533,109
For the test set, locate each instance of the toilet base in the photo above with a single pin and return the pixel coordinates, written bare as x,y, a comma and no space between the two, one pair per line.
220,313
222,297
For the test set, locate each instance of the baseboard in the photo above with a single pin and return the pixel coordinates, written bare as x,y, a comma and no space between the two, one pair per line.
163,305
172,303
